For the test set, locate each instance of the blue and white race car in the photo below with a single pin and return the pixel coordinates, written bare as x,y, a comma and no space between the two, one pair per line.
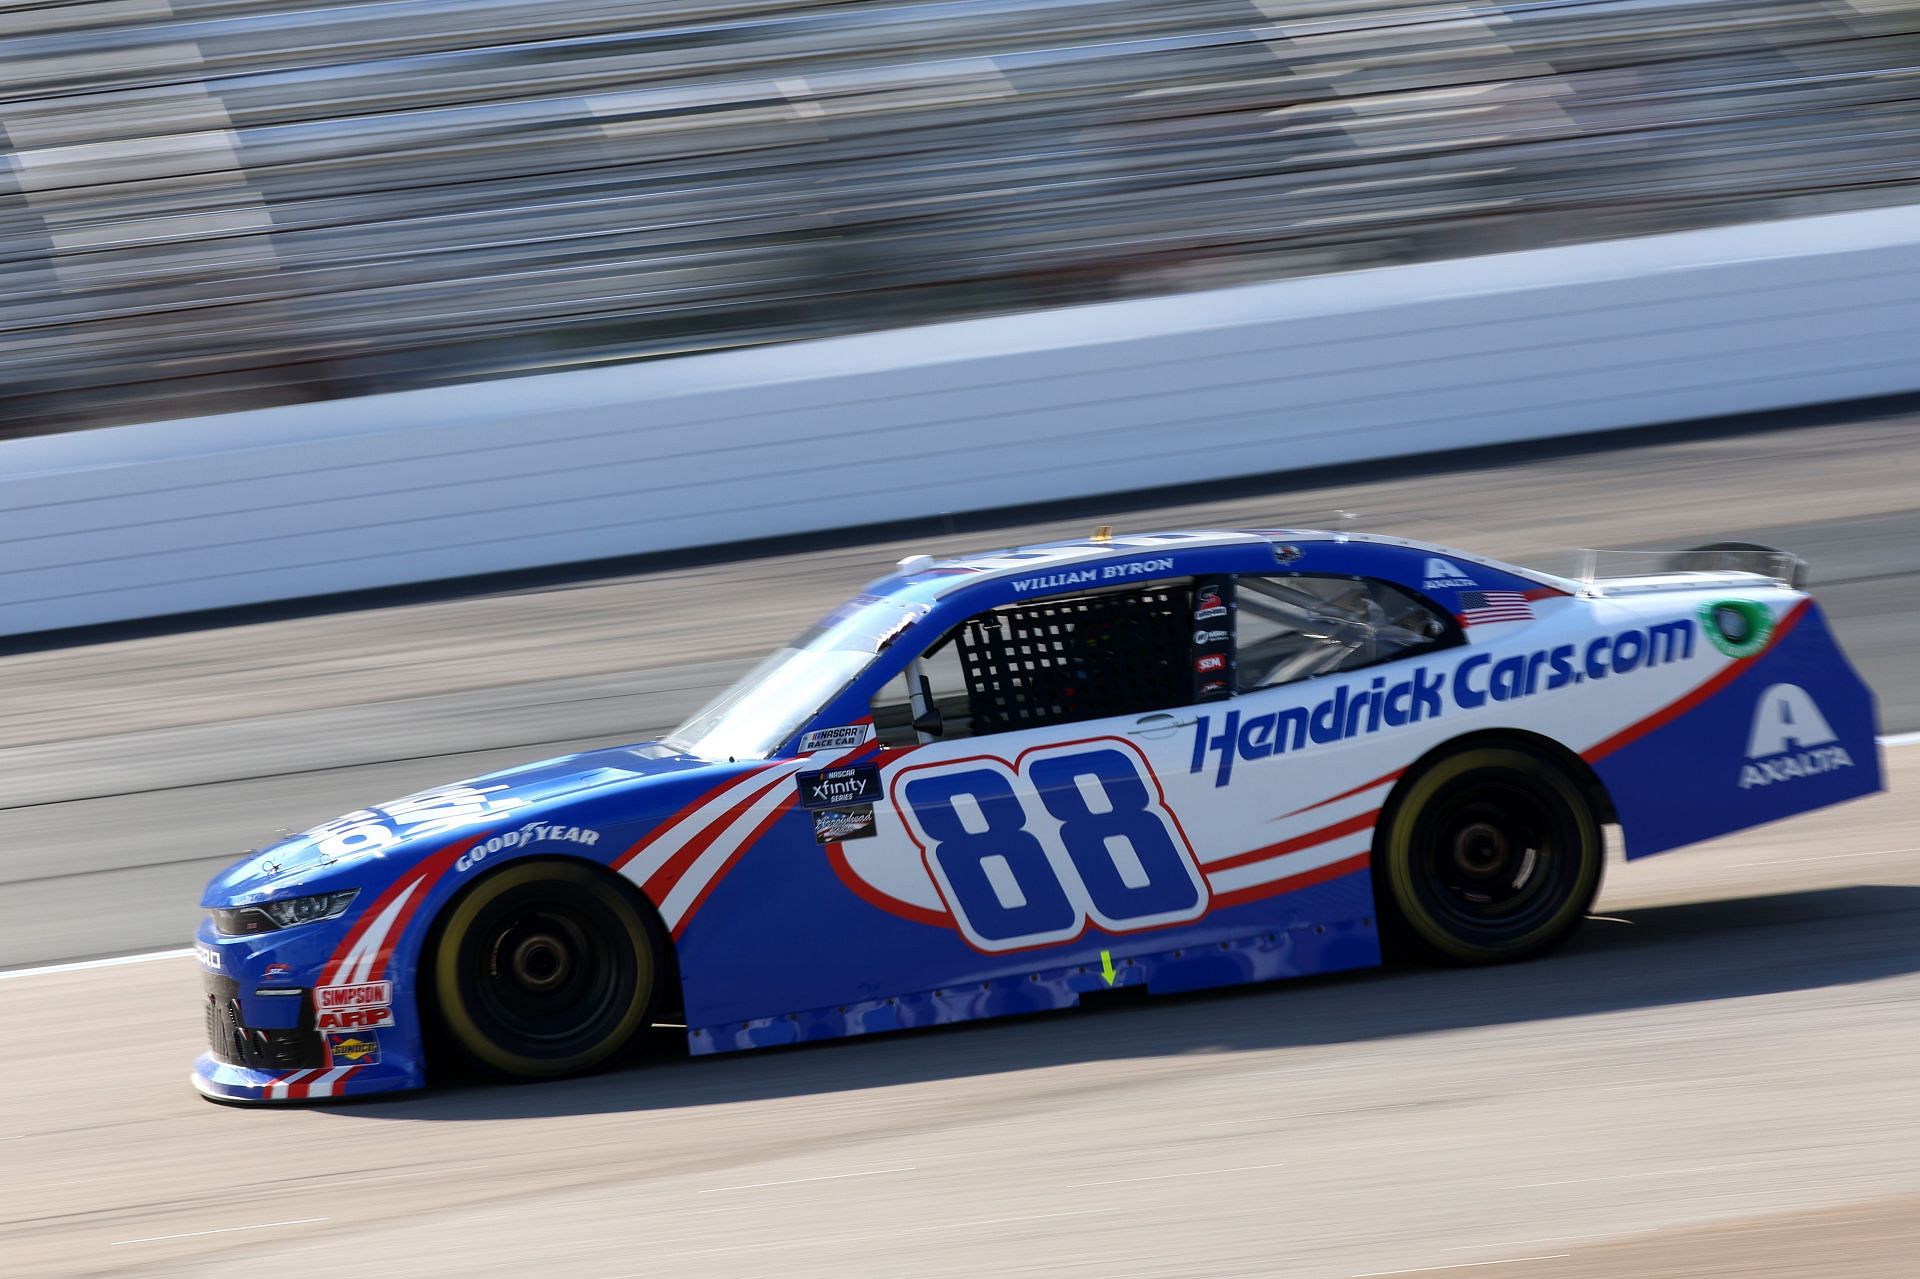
993,785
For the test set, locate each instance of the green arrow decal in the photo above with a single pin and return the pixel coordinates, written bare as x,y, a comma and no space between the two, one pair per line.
1106,966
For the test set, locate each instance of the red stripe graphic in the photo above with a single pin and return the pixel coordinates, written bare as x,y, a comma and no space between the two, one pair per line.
286,1079
780,810
1306,879
1345,794
424,875
1325,835
752,837
837,859
661,882
673,823
1661,718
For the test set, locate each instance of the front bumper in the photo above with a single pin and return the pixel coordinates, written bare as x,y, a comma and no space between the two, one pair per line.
269,1041
221,1081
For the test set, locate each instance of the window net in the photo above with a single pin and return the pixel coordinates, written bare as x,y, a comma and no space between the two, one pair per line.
1066,660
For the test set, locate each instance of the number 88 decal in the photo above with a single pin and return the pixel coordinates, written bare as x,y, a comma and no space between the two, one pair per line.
1027,854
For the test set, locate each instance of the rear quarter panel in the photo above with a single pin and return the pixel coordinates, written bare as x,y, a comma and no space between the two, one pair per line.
1761,736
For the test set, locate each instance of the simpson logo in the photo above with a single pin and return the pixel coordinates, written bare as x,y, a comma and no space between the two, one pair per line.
353,1019
1445,575
371,994
354,1050
1791,739
839,787
844,738
1207,604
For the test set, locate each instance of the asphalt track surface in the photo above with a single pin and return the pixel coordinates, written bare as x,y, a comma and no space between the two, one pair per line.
1715,1079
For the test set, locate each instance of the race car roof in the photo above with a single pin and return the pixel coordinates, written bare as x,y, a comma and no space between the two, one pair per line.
926,576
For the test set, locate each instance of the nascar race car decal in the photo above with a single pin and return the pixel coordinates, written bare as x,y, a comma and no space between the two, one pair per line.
1007,783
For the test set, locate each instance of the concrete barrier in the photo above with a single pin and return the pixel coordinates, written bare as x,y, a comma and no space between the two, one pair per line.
169,517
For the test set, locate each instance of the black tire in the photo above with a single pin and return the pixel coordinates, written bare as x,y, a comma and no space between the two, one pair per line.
1486,855
543,969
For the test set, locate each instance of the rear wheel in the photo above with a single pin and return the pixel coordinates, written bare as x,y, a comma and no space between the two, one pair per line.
1487,855
544,969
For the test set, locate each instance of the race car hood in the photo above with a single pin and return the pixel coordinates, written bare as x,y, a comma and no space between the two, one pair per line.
324,857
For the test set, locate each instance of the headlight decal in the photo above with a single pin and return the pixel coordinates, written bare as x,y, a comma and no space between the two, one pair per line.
285,912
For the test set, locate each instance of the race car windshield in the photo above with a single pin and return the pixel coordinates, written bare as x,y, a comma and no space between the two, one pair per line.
769,705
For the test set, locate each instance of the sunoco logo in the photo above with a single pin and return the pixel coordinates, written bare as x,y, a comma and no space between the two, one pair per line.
1445,575
1791,739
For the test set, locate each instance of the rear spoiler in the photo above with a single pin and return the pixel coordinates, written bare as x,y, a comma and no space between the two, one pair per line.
1729,564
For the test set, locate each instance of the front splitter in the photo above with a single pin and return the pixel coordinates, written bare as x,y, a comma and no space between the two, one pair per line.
242,1085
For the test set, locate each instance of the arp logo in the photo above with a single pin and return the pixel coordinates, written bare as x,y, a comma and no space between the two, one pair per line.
1444,575
353,1019
1790,739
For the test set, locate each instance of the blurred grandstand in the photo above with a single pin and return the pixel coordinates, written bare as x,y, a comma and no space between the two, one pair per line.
218,204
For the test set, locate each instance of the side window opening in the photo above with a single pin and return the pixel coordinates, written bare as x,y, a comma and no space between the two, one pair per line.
1294,628
1120,651
946,684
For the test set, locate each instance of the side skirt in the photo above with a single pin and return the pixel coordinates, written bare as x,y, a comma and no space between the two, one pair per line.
1298,952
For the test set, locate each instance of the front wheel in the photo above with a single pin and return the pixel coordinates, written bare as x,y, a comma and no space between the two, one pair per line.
1487,855
544,969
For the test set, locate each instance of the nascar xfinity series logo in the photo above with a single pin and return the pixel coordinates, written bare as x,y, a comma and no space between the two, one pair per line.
1791,739
1425,694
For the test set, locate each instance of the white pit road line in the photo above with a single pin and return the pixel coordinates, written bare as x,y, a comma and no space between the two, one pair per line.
116,961
223,1230
1170,1176
802,1181
1463,1265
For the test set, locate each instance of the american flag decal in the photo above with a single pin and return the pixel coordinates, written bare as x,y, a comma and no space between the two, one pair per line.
1478,608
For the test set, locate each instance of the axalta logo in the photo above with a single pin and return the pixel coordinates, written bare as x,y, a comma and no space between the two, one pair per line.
1444,575
1791,739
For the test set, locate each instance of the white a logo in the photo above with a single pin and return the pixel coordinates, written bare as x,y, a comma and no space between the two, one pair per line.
1444,570
1786,719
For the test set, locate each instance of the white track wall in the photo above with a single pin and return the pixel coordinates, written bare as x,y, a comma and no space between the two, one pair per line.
168,517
